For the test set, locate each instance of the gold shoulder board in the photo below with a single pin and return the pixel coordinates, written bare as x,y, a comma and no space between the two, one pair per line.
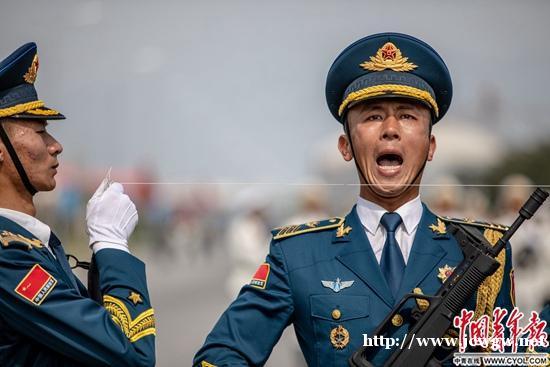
468,221
296,229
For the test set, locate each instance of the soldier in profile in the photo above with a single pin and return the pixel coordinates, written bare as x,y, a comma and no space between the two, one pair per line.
47,317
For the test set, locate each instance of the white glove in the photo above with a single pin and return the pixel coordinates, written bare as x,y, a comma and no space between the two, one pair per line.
110,217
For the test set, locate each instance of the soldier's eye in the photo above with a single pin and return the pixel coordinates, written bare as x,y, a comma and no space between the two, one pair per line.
373,117
406,116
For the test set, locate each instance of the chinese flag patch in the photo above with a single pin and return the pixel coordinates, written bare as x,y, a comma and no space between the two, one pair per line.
36,285
259,280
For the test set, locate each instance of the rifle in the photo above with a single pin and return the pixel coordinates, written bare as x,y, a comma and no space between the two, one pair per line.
479,263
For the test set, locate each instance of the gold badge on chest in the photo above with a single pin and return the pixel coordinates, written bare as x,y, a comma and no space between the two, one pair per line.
445,272
339,337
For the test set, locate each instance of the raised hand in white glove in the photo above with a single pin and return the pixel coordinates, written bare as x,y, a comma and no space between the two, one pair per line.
110,217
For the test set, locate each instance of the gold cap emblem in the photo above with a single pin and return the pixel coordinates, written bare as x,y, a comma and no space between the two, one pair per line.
388,57
30,75
339,337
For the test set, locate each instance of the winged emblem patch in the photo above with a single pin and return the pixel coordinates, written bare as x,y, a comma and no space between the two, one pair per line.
337,285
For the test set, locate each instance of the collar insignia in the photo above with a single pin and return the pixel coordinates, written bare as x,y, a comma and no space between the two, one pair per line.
338,285
30,75
445,272
8,238
135,298
440,228
388,57
343,231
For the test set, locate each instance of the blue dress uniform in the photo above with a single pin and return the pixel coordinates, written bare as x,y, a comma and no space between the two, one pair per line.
330,321
47,318
544,315
46,315
323,277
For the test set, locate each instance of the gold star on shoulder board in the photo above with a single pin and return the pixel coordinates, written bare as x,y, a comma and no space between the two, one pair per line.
440,228
342,231
135,298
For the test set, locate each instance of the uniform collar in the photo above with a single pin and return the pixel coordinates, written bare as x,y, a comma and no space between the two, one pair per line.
40,230
370,214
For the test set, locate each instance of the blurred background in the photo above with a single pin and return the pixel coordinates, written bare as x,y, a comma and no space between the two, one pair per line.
213,115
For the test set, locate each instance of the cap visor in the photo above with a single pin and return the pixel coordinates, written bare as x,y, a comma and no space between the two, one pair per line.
391,95
42,113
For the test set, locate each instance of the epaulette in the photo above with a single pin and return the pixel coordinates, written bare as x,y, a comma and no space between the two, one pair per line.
10,239
487,291
296,229
468,221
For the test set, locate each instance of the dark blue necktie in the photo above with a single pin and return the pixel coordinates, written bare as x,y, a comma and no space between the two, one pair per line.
392,263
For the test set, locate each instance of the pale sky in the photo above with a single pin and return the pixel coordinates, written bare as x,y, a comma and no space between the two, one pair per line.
221,90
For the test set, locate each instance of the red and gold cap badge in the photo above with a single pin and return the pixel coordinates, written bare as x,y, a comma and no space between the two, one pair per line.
30,75
388,57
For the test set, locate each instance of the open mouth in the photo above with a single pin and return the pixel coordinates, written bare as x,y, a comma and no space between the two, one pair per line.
389,160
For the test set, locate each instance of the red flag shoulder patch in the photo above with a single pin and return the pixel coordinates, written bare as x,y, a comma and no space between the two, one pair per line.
36,285
259,280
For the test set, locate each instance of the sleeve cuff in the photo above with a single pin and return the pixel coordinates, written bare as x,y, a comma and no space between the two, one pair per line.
98,246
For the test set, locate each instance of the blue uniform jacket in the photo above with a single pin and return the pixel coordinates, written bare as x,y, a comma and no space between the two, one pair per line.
293,292
47,318
545,316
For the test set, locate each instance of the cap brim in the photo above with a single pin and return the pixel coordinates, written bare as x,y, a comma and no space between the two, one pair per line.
388,84
42,113
396,96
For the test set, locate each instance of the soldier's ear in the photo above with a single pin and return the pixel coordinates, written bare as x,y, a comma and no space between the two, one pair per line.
344,147
432,147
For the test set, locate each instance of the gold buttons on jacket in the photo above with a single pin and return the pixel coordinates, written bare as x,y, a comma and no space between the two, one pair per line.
397,320
336,314
422,304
